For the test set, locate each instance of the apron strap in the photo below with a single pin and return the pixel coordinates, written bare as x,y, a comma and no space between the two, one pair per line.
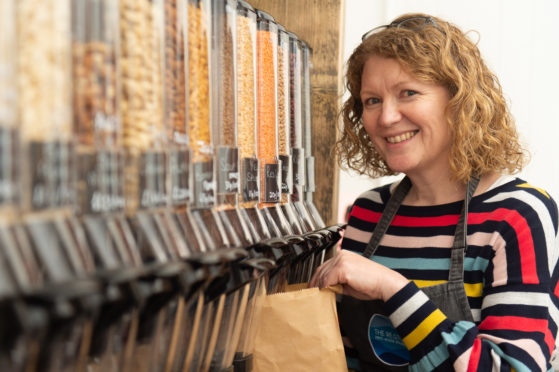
387,216
456,271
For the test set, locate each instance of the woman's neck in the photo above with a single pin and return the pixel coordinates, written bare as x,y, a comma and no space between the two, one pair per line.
441,189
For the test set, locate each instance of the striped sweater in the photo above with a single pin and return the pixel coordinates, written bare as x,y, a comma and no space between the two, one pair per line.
510,274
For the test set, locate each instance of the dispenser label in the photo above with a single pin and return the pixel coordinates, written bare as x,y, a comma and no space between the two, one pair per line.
153,176
98,182
181,179
250,179
65,158
227,170
298,155
204,184
272,183
50,175
286,174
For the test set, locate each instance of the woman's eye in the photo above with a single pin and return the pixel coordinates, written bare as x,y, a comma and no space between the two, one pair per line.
409,93
371,101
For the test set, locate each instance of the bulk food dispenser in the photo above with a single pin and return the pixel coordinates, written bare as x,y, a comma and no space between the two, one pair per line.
223,103
284,130
99,181
307,134
296,125
267,124
246,121
51,244
13,350
199,126
145,141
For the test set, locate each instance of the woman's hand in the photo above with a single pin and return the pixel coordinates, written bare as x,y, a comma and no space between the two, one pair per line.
360,277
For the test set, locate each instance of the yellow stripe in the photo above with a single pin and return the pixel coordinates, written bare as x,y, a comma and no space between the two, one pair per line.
473,289
423,329
428,283
528,186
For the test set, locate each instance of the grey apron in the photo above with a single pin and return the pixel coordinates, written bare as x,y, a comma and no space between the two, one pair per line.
365,323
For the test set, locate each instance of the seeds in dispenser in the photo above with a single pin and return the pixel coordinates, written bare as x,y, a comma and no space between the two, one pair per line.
175,72
95,93
223,74
246,102
198,83
283,100
142,112
44,69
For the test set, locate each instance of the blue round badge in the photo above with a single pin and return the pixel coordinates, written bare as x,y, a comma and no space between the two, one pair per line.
386,342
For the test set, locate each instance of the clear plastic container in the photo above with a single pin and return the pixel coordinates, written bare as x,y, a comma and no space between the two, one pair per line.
257,293
267,119
267,40
96,104
307,135
285,128
283,114
246,121
9,137
224,119
44,40
199,126
296,139
45,108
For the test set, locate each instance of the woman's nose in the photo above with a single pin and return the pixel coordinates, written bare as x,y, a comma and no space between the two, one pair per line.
390,113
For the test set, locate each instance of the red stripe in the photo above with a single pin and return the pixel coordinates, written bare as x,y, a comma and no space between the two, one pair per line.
475,355
369,216
446,220
556,291
365,214
523,235
517,323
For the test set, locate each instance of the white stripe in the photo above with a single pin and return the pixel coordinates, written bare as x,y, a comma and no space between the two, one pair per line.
516,298
476,314
408,308
359,235
461,363
544,216
371,195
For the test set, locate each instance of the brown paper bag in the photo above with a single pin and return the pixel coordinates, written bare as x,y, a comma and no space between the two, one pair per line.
299,331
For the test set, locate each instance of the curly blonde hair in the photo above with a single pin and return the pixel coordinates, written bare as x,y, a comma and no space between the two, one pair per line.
484,136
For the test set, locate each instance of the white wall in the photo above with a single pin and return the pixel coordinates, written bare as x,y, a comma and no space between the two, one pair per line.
519,40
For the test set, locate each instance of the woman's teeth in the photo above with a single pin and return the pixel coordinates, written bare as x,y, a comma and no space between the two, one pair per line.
401,137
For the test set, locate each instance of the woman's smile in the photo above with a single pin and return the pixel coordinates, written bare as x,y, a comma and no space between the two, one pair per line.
401,137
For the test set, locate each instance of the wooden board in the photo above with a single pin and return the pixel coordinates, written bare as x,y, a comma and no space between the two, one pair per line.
320,23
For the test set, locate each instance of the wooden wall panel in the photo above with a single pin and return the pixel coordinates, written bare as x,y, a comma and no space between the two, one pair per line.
320,23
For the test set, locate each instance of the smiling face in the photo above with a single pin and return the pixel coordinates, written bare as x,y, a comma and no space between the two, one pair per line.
405,119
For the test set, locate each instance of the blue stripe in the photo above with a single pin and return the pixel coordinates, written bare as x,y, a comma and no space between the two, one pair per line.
470,264
414,263
515,363
460,329
475,264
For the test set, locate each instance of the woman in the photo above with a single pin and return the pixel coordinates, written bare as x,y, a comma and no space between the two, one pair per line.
460,271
